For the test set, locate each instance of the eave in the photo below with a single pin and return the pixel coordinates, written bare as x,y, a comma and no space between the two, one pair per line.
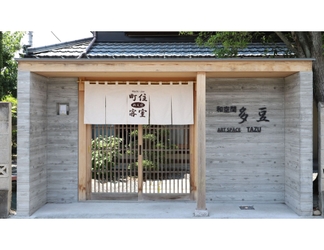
165,68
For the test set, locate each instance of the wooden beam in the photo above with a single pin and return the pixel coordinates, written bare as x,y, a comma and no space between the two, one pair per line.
88,67
165,76
200,141
82,148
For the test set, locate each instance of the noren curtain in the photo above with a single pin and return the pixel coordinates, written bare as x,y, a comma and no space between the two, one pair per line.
138,104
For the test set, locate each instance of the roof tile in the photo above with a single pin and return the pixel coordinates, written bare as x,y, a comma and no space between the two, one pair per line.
149,50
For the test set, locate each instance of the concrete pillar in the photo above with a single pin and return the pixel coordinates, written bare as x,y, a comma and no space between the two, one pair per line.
5,159
321,157
299,143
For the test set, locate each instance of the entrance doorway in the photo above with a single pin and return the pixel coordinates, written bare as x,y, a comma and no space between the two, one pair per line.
140,162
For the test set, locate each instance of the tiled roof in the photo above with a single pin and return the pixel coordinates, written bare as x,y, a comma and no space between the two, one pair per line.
60,50
124,50
148,50
174,50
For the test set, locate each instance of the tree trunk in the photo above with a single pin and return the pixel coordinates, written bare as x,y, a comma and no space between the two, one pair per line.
318,66
318,78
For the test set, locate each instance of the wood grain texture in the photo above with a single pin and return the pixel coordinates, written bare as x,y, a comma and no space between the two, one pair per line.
200,139
77,67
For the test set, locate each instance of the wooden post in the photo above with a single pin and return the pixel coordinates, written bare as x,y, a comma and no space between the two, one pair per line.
140,162
193,165
88,165
192,145
200,144
82,147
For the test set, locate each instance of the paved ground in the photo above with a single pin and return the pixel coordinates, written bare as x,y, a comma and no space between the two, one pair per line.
162,225
163,210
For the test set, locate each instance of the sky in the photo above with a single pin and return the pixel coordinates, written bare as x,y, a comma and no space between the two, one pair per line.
70,21
44,38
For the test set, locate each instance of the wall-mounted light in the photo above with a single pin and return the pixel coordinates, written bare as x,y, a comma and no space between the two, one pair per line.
62,109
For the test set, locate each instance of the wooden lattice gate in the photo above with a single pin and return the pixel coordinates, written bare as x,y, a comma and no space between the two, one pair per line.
140,162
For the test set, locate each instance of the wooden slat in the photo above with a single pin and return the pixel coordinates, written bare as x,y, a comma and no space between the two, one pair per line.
168,196
114,196
140,161
88,156
156,181
193,172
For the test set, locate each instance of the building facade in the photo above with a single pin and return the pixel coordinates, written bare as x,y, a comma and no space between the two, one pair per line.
175,122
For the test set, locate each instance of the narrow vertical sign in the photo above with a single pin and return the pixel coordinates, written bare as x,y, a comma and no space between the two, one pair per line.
138,107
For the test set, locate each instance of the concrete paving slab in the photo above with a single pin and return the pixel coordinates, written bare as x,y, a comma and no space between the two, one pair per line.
161,210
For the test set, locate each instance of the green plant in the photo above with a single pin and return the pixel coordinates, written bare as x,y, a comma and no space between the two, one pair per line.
10,43
155,144
105,154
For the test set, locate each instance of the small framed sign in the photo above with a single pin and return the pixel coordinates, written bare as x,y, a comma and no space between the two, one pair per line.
62,108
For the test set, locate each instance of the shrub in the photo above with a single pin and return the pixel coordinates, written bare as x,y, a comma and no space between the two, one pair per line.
105,154
152,139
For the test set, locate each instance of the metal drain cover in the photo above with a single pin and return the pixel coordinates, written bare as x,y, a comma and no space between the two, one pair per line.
246,207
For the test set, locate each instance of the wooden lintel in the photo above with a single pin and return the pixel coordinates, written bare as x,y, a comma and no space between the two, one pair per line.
62,67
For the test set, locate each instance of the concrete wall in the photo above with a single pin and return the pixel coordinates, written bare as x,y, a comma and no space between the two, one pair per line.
62,141
274,165
315,132
271,165
321,157
5,159
245,166
47,142
299,143
31,139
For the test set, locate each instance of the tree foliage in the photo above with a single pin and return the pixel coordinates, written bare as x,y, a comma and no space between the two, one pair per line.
300,44
9,45
231,42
